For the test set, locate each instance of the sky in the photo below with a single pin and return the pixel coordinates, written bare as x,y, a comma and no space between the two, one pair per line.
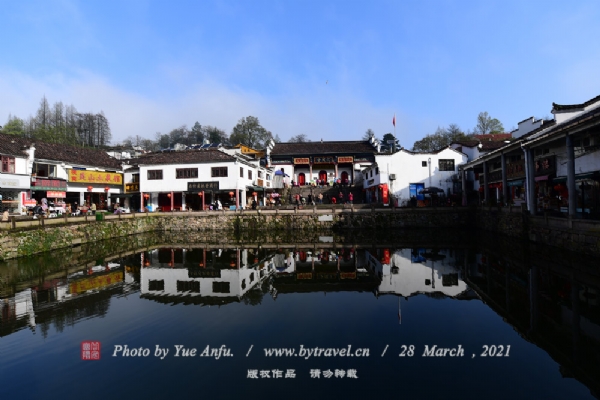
326,69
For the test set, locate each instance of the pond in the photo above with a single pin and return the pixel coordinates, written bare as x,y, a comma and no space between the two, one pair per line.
417,315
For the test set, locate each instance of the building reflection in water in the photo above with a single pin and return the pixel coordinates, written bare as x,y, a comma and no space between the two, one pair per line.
550,304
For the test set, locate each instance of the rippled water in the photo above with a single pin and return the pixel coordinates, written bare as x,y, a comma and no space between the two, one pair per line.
372,310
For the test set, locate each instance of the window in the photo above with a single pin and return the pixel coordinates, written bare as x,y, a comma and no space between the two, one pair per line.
220,287
241,172
188,286
156,285
183,173
260,174
8,164
135,178
423,163
47,170
446,165
250,174
377,171
154,174
218,171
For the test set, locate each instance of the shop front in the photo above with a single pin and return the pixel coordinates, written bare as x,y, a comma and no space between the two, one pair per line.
13,189
86,187
588,193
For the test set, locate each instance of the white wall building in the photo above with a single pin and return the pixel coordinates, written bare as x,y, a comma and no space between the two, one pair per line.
405,168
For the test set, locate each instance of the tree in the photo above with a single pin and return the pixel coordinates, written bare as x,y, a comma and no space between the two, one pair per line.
368,134
215,135
440,139
394,145
14,126
197,134
300,138
276,139
249,132
487,124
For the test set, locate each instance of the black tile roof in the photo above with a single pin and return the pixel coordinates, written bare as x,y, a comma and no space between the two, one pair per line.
330,147
184,157
16,145
566,107
13,145
86,156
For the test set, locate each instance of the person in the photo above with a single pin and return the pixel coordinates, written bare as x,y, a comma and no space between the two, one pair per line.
320,197
254,204
341,196
219,205
74,208
297,199
93,208
310,199
350,198
333,200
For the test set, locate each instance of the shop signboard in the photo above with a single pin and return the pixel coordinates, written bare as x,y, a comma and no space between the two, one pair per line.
103,178
345,159
48,184
203,186
303,160
9,181
56,195
132,187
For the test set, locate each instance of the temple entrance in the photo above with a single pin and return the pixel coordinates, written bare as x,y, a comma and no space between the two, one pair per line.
344,178
323,176
301,179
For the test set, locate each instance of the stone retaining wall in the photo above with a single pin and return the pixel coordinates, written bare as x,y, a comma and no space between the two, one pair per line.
23,242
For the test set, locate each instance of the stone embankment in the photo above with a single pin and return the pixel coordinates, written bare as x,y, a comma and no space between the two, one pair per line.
24,238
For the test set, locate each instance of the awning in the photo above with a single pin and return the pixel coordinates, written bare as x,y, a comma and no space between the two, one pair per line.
578,177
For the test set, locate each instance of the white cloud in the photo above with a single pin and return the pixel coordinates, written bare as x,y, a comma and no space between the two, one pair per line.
317,109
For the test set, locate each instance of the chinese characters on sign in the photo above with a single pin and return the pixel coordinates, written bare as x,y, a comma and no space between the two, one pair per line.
132,187
201,186
291,373
103,178
347,159
304,160
324,160
90,350
48,184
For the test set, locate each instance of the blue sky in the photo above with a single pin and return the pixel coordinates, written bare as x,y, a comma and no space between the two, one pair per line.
327,69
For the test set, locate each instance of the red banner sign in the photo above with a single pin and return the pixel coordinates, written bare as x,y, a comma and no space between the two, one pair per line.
347,159
304,160
56,195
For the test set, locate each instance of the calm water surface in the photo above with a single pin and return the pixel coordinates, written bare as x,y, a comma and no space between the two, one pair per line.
534,316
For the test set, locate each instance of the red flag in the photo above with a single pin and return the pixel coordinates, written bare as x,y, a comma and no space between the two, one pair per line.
394,120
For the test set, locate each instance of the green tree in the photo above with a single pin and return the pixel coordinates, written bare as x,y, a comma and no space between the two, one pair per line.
14,126
368,134
390,142
487,124
249,132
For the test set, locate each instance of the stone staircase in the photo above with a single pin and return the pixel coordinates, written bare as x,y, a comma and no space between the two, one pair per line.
327,191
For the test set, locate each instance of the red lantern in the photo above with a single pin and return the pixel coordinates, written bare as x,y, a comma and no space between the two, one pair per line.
169,195
231,194
200,194
90,188
106,189
254,193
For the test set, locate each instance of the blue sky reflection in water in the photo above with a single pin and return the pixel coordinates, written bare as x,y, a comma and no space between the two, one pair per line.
291,309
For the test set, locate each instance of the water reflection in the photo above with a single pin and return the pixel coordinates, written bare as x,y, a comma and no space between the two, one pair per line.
550,300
